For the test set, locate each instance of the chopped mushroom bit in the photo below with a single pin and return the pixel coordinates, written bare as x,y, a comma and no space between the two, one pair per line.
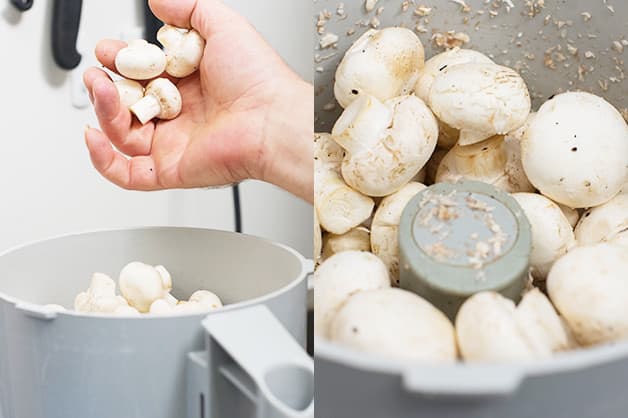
450,39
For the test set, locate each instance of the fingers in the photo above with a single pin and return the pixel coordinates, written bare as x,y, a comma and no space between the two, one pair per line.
127,134
106,51
206,16
137,173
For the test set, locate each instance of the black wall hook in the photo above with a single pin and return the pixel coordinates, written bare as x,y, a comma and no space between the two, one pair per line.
22,5
66,18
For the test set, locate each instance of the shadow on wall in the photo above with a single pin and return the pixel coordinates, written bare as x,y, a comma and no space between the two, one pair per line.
11,14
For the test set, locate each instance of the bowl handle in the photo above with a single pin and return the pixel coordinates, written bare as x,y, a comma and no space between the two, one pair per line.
256,369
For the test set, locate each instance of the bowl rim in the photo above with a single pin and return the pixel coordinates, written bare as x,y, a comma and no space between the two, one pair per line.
305,270
566,361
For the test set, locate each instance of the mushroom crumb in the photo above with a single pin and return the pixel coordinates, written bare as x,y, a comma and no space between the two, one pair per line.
450,39
328,40
440,252
422,11
464,6
369,5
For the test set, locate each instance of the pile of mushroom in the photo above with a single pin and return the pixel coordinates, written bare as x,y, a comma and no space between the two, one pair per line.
144,289
141,61
459,116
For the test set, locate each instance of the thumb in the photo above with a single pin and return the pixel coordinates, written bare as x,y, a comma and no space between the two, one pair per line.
206,16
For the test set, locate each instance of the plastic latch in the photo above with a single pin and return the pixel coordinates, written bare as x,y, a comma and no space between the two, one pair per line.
463,381
37,311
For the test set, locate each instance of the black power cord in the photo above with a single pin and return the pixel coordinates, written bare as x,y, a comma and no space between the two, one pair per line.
237,212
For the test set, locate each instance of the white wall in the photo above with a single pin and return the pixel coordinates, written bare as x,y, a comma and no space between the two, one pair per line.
48,184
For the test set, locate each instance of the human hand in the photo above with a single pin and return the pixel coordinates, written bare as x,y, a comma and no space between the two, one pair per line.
245,114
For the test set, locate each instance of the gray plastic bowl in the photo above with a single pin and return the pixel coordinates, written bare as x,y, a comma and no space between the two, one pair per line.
590,383
66,365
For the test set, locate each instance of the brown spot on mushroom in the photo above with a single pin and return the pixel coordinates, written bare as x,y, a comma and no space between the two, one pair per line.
587,184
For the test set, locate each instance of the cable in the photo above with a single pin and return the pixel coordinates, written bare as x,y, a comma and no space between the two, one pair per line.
237,212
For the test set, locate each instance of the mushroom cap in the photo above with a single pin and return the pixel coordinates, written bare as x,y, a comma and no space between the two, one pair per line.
318,237
434,66
339,208
140,60
490,328
340,276
575,150
168,96
130,91
486,330
540,324
397,324
494,161
604,222
552,235
447,136
589,287
381,166
206,299
327,151
141,285
382,63
479,99
385,227
357,239
184,49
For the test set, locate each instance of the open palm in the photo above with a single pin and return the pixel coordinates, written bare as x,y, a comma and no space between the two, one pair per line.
232,116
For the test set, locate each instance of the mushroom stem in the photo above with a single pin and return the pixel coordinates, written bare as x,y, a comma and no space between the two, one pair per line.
146,109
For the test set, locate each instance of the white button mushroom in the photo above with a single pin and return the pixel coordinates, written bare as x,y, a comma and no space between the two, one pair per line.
489,328
161,100
575,151
339,207
141,285
589,287
130,92
357,239
184,49
440,62
397,324
386,144
481,100
384,64
339,277
140,60
552,235
318,238
493,161
206,299
385,227
100,297
603,223
447,136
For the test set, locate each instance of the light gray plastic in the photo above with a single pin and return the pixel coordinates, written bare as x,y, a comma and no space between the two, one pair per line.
473,214
581,384
62,364
243,383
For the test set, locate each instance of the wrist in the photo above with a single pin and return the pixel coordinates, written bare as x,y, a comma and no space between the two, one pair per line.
286,158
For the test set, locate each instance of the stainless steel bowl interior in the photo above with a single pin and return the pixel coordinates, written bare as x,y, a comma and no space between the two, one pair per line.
529,38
